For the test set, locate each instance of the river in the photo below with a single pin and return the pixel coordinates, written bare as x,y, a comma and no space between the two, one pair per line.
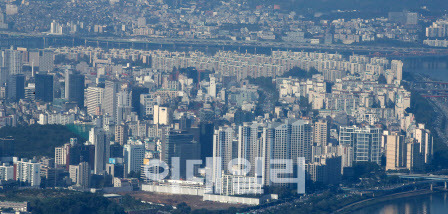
434,67
437,74
436,203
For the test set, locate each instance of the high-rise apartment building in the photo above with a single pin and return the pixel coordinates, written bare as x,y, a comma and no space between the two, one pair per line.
60,155
4,75
414,159
321,133
110,101
70,153
366,142
133,154
102,149
162,115
121,134
43,59
301,140
346,153
30,91
396,155
212,87
6,172
93,100
74,87
44,87
250,144
285,141
80,174
12,61
147,103
16,87
180,144
423,136
397,69
325,169
124,106
223,149
27,172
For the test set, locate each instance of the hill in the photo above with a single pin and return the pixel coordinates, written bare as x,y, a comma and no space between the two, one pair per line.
38,140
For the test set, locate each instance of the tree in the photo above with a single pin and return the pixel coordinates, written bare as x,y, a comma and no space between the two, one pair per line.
133,174
300,73
305,104
8,209
365,169
382,79
75,203
328,86
182,208
36,140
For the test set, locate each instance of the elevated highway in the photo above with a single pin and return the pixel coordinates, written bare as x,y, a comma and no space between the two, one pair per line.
45,40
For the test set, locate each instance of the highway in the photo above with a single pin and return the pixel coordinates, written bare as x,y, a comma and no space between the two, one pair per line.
441,178
274,45
438,102
282,45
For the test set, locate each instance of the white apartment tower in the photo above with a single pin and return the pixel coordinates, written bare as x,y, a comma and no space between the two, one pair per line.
285,141
250,144
6,172
212,87
110,101
397,69
161,115
60,155
366,142
134,153
321,133
222,149
94,99
28,172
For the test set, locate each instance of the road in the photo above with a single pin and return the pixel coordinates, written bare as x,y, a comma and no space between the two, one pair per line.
282,45
440,106
413,51
385,197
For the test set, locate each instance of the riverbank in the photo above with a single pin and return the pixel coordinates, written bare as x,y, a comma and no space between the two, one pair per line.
371,201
